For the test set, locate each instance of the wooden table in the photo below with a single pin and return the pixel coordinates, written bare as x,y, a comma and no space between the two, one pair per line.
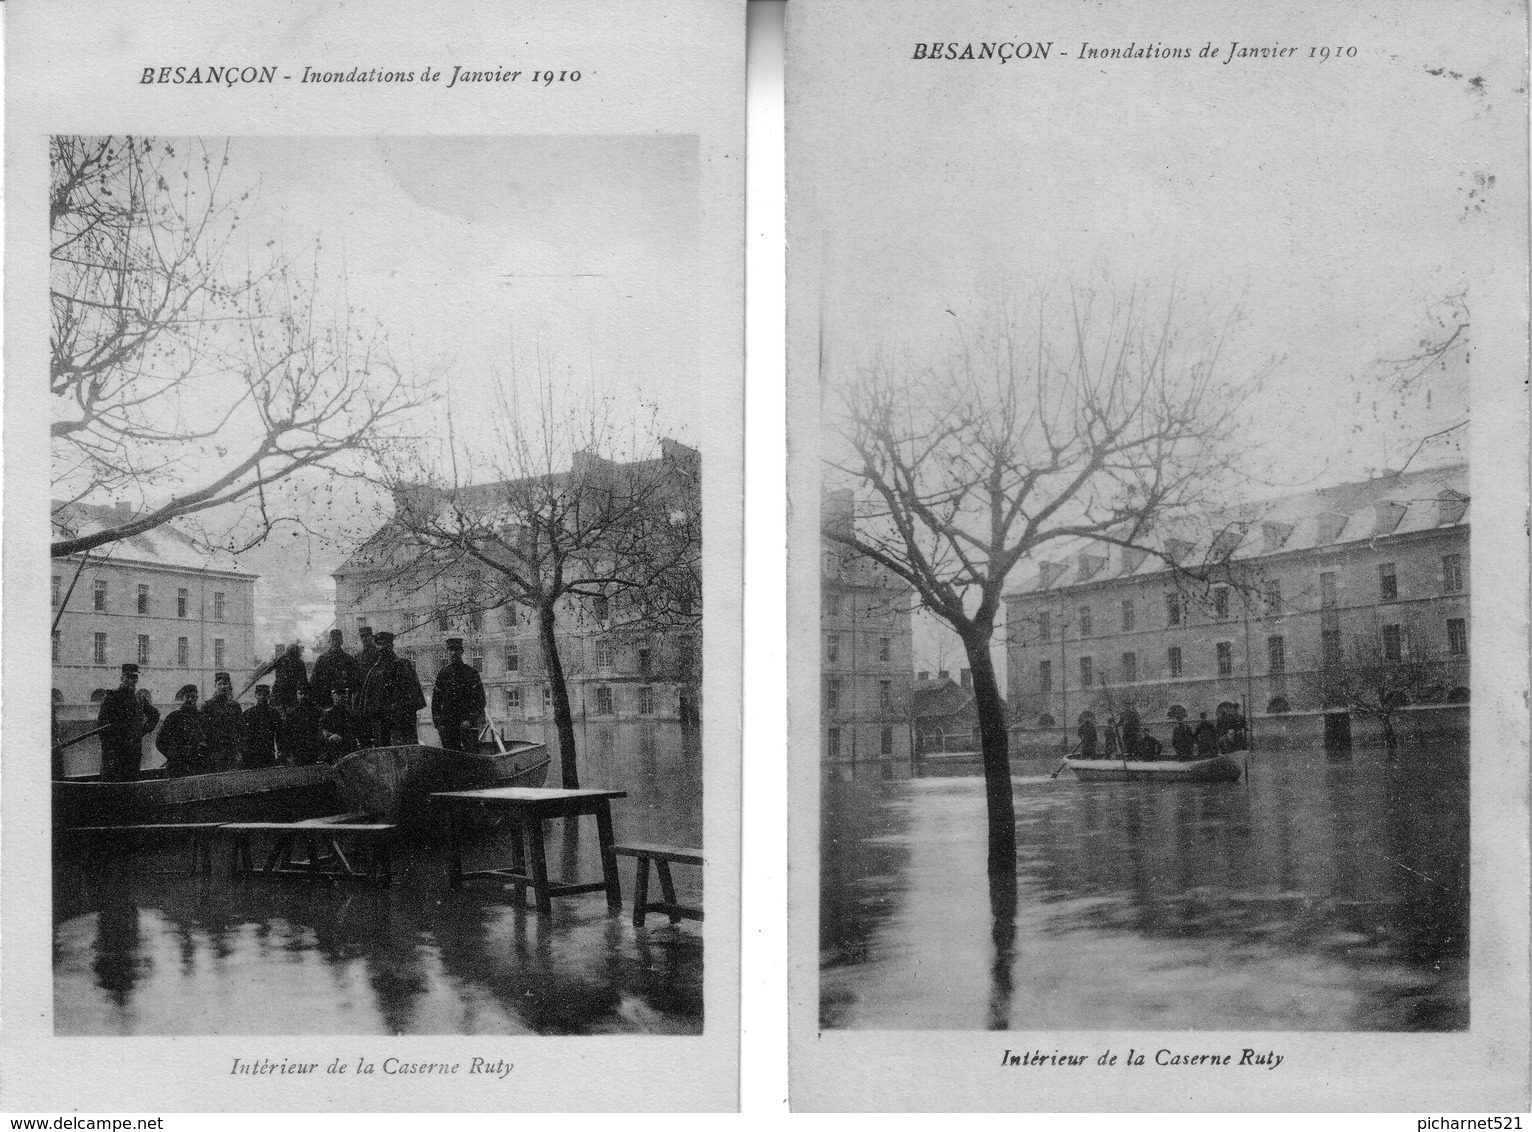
526,808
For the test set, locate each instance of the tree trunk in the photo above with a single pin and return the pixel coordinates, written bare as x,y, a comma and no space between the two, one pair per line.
1390,736
995,744
563,718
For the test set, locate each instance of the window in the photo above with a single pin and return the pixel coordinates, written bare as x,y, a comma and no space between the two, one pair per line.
512,659
98,596
1084,620
645,661
508,616
218,657
1173,606
1045,626
1388,582
603,700
1329,648
832,740
885,696
1327,590
55,646
603,653
547,699
475,621
885,648
1276,654
143,649
1129,667
832,605
1273,597
181,599
513,699
443,623
832,695
99,652
1225,658
601,607
886,741
218,605
1086,671
183,652
1128,615
57,591
645,699
143,599
1044,676
1393,647
832,648
1452,574
1220,602
476,663
1173,661
1457,636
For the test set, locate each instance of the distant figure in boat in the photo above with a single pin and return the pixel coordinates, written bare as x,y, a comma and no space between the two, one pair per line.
1183,739
1132,731
1231,728
1206,737
339,725
261,724
1087,734
457,701
1112,746
299,737
291,674
391,697
222,726
334,667
129,716
180,739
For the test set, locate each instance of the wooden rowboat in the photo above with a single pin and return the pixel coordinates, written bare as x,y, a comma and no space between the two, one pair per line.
394,784
269,794
1218,768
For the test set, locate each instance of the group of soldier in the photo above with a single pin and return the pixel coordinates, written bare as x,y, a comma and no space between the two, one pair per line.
348,703
1124,736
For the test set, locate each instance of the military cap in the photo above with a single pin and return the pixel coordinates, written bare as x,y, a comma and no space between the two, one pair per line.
185,688
223,678
130,670
336,634
454,642
384,638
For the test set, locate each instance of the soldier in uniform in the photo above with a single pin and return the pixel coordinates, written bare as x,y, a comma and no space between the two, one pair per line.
299,737
221,725
457,700
130,716
260,724
291,674
340,726
180,738
364,659
335,666
391,696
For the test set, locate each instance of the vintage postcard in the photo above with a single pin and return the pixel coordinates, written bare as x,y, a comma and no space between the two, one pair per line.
384,520
1158,572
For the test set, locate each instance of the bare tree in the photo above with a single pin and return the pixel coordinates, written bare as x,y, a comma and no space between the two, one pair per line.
175,372
566,533
1380,670
1097,417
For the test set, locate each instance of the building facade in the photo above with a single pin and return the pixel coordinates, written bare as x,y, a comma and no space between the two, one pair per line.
178,611
617,667
1286,611
866,645
945,714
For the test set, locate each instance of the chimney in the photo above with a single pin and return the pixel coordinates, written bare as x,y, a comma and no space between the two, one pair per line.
1387,514
923,677
966,676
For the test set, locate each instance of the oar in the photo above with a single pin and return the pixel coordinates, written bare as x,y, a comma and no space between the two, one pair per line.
57,747
1063,763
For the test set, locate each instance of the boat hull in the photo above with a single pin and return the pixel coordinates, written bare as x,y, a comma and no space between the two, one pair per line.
395,784
271,794
1219,768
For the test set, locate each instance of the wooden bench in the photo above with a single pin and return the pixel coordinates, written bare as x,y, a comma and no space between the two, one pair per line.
663,856
314,849
198,837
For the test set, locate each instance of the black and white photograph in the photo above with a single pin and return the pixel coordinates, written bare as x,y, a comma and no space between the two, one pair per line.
1143,415
389,527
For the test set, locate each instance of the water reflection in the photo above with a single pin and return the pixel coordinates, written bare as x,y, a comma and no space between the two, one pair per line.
1319,894
139,952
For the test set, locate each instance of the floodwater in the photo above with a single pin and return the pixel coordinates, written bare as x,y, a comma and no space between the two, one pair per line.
141,951
1317,894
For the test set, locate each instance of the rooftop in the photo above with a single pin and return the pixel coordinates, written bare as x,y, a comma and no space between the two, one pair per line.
163,545
1385,506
